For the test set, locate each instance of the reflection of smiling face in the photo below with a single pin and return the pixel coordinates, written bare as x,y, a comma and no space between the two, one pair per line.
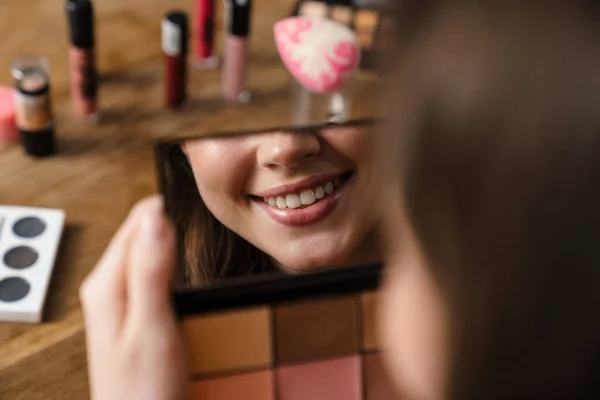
303,198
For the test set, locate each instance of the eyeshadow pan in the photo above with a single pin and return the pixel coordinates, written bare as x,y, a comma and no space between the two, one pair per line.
250,386
229,341
377,383
20,257
13,289
316,329
29,227
369,336
313,9
324,380
366,24
341,14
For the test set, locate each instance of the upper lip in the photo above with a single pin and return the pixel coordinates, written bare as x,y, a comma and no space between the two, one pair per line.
299,186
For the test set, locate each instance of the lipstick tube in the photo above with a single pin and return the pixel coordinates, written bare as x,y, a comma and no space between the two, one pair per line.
33,113
175,48
235,68
205,35
82,64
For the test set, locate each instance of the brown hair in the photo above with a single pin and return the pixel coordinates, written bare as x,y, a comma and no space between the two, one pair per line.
208,252
495,107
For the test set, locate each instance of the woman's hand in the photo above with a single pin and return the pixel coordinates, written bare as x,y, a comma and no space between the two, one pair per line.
134,348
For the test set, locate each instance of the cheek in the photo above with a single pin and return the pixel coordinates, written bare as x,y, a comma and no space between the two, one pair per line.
413,330
355,144
220,170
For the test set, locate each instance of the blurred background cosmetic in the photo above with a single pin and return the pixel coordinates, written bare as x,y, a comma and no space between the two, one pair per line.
204,49
235,67
33,106
362,16
8,127
175,48
82,63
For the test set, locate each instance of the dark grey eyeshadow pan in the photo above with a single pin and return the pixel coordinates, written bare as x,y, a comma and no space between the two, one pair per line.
13,289
20,257
29,227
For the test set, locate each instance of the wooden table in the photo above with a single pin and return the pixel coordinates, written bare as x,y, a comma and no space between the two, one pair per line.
101,170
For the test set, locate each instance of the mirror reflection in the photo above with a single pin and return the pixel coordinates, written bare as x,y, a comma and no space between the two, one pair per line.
282,200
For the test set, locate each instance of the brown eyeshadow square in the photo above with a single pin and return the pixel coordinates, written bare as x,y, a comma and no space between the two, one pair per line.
365,23
229,341
316,329
369,334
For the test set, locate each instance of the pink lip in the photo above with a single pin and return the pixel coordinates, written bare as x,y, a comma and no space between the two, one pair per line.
304,216
297,187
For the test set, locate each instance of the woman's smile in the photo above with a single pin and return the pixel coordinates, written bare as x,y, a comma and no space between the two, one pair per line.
306,202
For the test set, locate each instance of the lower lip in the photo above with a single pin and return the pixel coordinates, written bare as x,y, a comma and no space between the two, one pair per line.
304,216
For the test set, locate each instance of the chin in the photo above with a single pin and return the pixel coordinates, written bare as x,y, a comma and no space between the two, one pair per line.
308,261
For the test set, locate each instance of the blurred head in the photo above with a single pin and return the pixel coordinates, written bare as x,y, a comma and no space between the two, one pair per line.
492,243
300,197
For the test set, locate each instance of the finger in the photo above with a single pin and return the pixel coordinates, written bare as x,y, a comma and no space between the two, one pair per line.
103,293
150,268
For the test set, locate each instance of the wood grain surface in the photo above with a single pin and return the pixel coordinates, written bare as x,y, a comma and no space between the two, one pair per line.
101,170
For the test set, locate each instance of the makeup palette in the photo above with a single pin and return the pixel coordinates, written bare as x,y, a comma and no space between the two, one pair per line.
363,17
29,241
282,337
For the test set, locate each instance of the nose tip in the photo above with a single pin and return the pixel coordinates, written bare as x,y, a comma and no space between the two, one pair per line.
287,149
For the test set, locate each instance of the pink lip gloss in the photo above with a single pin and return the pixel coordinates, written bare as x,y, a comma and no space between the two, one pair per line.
235,66
204,13
82,64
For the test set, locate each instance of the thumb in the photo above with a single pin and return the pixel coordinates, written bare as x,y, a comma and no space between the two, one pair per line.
150,267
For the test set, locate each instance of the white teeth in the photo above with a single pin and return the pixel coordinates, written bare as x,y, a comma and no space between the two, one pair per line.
293,200
308,197
305,198
319,192
281,202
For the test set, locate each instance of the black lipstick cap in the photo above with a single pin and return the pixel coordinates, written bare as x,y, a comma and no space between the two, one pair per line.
239,17
80,14
180,19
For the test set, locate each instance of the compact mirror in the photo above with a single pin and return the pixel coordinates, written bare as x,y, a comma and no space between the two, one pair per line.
291,200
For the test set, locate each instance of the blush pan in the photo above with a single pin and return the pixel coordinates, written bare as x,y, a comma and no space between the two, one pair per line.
282,337
332,379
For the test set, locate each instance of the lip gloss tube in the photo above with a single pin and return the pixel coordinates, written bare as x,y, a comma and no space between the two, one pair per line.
235,66
175,48
82,63
205,35
33,112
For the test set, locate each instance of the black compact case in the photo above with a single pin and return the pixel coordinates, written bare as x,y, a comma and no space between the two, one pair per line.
277,288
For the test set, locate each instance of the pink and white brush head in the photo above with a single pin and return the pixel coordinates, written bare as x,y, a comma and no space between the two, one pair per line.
320,53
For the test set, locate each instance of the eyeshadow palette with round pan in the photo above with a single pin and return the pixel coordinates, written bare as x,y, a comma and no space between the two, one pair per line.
29,241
